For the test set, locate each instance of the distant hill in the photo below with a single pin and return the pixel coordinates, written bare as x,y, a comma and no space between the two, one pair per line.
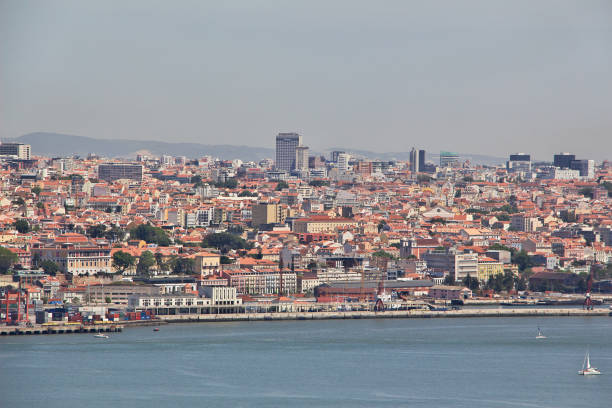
57,144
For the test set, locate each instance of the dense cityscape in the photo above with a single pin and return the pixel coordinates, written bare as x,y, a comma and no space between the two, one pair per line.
93,240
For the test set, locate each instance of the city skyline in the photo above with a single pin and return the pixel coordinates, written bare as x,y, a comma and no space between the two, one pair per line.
460,77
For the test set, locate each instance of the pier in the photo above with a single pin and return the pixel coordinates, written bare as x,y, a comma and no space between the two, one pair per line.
522,312
59,329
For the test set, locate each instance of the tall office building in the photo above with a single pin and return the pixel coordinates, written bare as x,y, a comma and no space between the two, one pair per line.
421,160
448,158
585,167
286,144
563,160
414,161
519,163
343,161
115,171
301,158
334,155
22,151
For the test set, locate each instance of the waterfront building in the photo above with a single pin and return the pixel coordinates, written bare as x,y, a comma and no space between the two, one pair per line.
488,267
76,255
447,292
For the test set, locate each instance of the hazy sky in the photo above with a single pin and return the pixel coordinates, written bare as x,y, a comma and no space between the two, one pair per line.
486,76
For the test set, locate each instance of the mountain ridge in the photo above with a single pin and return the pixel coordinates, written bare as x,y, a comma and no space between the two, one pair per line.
59,144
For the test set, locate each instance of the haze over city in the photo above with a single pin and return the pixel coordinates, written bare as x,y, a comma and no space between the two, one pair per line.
488,77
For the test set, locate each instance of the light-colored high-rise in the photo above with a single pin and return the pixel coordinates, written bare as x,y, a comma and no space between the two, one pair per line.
301,158
20,150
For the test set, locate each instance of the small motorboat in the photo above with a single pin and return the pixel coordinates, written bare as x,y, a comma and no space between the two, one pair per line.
101,336
156,329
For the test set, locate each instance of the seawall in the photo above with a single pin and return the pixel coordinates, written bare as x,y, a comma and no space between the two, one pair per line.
523,312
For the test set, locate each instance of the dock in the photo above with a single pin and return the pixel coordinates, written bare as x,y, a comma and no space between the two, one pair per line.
389,314
59,329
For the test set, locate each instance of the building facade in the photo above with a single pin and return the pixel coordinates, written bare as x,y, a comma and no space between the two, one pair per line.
286,145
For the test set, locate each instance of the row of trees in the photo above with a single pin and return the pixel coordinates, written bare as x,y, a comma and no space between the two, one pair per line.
122,261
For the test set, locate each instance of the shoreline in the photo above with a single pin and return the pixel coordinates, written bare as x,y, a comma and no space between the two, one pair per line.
286,316
395,314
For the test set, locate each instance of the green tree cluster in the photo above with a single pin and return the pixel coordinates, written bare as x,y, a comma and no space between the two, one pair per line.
150,234
319,183
383,254
22,226
122,261
281,185
49,267
225,241
7,259
145,263
230,183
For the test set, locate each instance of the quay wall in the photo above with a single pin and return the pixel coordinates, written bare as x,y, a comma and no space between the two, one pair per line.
523,312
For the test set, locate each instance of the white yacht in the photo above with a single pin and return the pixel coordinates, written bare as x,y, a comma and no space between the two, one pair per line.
100,336
586,367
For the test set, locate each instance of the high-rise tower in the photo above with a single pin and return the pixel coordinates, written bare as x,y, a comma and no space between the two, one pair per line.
286,144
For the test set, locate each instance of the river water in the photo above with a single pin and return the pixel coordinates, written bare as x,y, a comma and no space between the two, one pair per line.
462,362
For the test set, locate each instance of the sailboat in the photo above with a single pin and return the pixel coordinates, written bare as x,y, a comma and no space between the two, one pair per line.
586,367
540,334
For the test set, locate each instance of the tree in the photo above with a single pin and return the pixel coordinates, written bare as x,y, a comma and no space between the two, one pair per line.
36,259
197,181
471,283
226,260
225,241
108,299
182,266
123,261
230,183
36,190
146,261
22,226
318,183
159,260
150,234
96,231
281,185
247,193
522,259
7,259
500,247
114,234
19,201
49,267
381,225
448,280
383,254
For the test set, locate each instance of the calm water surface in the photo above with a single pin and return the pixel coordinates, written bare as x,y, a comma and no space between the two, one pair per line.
472,363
